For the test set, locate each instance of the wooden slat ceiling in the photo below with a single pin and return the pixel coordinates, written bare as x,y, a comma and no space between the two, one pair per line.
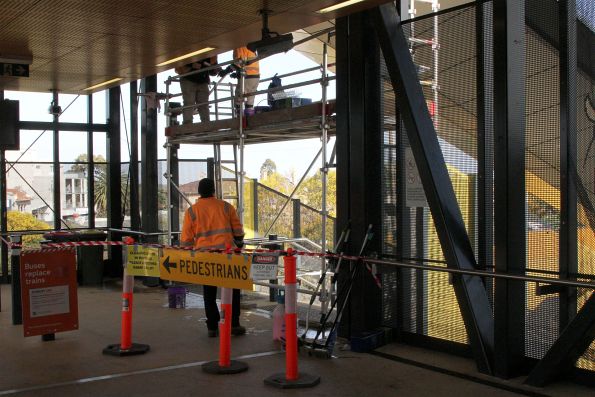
79,43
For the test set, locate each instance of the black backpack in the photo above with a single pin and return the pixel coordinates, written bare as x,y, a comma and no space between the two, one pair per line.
275,82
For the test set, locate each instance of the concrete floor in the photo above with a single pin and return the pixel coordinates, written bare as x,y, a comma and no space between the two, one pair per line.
73,364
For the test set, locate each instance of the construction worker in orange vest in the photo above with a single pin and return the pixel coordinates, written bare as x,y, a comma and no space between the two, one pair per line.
213,223
252,70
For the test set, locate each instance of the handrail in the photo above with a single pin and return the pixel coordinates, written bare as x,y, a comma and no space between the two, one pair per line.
481,273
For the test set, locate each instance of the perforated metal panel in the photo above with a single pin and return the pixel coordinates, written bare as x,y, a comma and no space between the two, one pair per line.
78,43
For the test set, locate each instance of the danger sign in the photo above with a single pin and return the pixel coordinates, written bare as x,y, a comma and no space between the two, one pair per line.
142,261
48,292
221,270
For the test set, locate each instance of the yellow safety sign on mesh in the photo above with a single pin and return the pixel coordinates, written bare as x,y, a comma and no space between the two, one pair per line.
221,270
142,261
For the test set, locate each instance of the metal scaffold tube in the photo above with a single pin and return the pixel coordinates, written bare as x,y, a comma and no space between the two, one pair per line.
324,173
168,165
241,145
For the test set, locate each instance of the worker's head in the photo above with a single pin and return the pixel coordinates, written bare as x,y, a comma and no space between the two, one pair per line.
206,187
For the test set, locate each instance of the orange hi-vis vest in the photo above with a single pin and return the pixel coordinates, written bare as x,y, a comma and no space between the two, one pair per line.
243,53
211,223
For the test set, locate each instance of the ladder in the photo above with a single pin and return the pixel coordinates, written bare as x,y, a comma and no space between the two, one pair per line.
227,184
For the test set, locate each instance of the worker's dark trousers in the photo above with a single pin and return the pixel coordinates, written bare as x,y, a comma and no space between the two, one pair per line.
210,295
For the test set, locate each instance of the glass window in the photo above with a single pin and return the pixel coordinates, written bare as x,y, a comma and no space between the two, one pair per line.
30,196
35,146
74,108
33,106
99,146
73,146
99,99
100,195
73,191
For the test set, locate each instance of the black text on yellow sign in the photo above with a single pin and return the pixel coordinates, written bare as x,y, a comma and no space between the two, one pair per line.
221,270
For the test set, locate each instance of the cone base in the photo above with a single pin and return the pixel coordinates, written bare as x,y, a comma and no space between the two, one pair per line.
279,381
235,367
135,349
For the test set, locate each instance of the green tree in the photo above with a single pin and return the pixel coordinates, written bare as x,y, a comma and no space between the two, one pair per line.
100,183
18,221
267,168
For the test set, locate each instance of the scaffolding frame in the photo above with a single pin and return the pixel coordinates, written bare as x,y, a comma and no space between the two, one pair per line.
240,138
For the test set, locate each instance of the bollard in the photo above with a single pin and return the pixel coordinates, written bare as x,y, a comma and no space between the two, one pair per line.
292,379
126,347
15,268
225,365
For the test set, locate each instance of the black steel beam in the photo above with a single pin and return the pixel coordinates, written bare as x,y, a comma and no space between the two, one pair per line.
149,170
56,159
3,215
297,218
362,147
175,197
90,165
47,125
342,143
509,185
470,291
568,252
134,176
485,137
114,172
255,205
571,344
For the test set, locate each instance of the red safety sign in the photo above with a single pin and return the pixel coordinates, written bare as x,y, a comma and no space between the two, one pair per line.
48,292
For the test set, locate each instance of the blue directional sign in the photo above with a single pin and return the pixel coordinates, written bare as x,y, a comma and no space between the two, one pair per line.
14,70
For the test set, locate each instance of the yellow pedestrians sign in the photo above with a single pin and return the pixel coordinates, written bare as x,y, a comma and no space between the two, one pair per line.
142,261
221,270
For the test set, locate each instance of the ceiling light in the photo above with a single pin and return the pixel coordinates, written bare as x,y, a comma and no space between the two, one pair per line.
203,50
102,84
337,6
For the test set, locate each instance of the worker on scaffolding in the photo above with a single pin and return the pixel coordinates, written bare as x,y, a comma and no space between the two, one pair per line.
195,88
214,224
252,78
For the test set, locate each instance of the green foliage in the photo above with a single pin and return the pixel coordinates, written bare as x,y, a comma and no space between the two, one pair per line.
100,181
267,168
24,221
309,193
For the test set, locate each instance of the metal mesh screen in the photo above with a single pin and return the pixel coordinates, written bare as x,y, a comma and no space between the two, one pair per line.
542,157
445,55
586,164
448,76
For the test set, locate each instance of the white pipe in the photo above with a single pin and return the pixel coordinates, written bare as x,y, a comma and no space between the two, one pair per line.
324,173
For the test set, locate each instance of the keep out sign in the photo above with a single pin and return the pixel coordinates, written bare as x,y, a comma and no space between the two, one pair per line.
48,292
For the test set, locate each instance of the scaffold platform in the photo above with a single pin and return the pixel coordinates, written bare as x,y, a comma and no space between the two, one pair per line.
301,122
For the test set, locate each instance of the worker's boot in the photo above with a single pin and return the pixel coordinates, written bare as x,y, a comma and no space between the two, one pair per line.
238,330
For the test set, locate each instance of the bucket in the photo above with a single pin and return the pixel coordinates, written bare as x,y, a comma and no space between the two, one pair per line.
176,297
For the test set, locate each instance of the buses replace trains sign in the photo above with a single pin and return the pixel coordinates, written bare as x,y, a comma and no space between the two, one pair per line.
221,270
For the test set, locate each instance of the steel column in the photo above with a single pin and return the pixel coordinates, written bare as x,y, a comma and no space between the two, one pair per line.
359,159
114,171
90,165
56,163
297,218
134,176
3,217
568,253
150,179
174,169
471,294
509,184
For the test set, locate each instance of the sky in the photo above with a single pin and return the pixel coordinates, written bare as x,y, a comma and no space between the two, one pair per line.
290,157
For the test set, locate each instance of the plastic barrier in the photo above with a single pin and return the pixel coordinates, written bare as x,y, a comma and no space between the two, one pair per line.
292,379
225,365
126,347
